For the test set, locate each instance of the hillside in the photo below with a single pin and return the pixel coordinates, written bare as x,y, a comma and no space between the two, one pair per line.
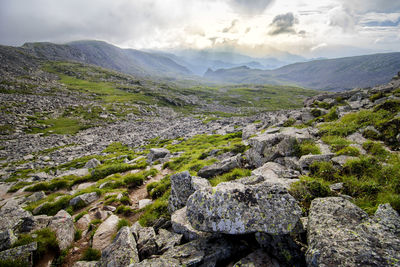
328,74
108,56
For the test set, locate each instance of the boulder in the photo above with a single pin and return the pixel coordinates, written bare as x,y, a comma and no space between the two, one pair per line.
182,186
84,222
7,239
235,208
63,225
248,131
77,172
84,199
341,234
29,224
22,254
144,203
35,197
121,252
306,160
166,240
11,214
276,173
157,153
220,167
181,225
257,258
270,146
145,239
104,234
93,163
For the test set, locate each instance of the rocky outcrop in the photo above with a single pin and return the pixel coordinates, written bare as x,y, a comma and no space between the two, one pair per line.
63,225
277,173
121,252
23,254
181,225
11,214
182,186
104,234
93,163
7,239
145,240
156,154
340,233
166,240
235,208
220,167
84,199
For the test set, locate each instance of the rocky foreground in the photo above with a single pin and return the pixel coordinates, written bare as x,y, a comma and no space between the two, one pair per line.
318,186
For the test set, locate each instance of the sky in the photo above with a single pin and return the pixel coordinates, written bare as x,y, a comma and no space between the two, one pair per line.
261,28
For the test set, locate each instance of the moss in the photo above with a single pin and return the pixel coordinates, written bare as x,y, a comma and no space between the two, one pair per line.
376,149
91,254
349,151
13,263
332,115
18,186
376,96
336,142
316,112
305,148
324,170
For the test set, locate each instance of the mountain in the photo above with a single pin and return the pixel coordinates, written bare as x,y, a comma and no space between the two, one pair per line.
327,74
108,56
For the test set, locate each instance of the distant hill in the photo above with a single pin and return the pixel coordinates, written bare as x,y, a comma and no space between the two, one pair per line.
108,56
327,74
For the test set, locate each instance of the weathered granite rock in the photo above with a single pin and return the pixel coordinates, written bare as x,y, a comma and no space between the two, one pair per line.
276,173
283,248
85,199
144,202
166,240
7,239
11,214
235,208
182,186
77,172
93,163
339,161
157,153
341,234
104,234
158,262
248,131
269,146
220,167
121,252
21,253
36,196
63,225
84,222
30,224
146,241
181,225
306,160
258,258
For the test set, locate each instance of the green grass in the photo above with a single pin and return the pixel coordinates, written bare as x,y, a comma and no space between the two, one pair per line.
306,147
122,223
230,176
91,254
60,125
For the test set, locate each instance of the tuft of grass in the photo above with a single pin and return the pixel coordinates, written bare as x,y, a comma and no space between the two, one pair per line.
158,209
125,210
158,189
306,147
122,223
289,122
336,142
349,151
91,254
230,176
77,235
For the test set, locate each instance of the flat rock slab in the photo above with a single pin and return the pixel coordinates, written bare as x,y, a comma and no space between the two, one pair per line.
104,234
235,208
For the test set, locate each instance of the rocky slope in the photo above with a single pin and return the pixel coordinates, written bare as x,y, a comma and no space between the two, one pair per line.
317,186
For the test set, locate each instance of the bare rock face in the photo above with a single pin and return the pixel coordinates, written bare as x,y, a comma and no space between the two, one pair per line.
182,186
341,234
122,251
235,208
104,234
11,214
63,225
181,225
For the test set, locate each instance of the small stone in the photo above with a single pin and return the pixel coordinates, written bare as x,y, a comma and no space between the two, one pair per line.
144,203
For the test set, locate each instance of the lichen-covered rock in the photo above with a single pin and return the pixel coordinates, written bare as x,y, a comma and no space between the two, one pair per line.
182,186
145,240
84,222
93,163
121,252
7,239
276,173
157,153
258,258
11,214
269,146
341,234
220,167
166,240
283,248
63,225
85,199
22,253
104,234
181,225
235,208
36,196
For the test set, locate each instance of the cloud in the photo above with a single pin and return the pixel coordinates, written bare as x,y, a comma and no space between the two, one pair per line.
232,27
342,18
250,7
283,24
364,6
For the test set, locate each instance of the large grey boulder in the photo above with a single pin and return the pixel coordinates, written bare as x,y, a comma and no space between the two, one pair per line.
181,225
7,239
22,253
166,240
121,252
84,199
341,234
220,167
157,153
63,225
11,214
270,146
104,234
235,208
145,239
182,186
277,173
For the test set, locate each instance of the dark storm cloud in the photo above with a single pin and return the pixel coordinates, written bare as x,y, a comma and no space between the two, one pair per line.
283,24
67,20
250,7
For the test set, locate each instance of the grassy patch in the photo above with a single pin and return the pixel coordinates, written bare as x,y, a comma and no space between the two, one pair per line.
60,125
230,176
91,254
306,147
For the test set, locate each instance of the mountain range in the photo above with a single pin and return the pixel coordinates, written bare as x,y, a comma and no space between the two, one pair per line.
225,67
